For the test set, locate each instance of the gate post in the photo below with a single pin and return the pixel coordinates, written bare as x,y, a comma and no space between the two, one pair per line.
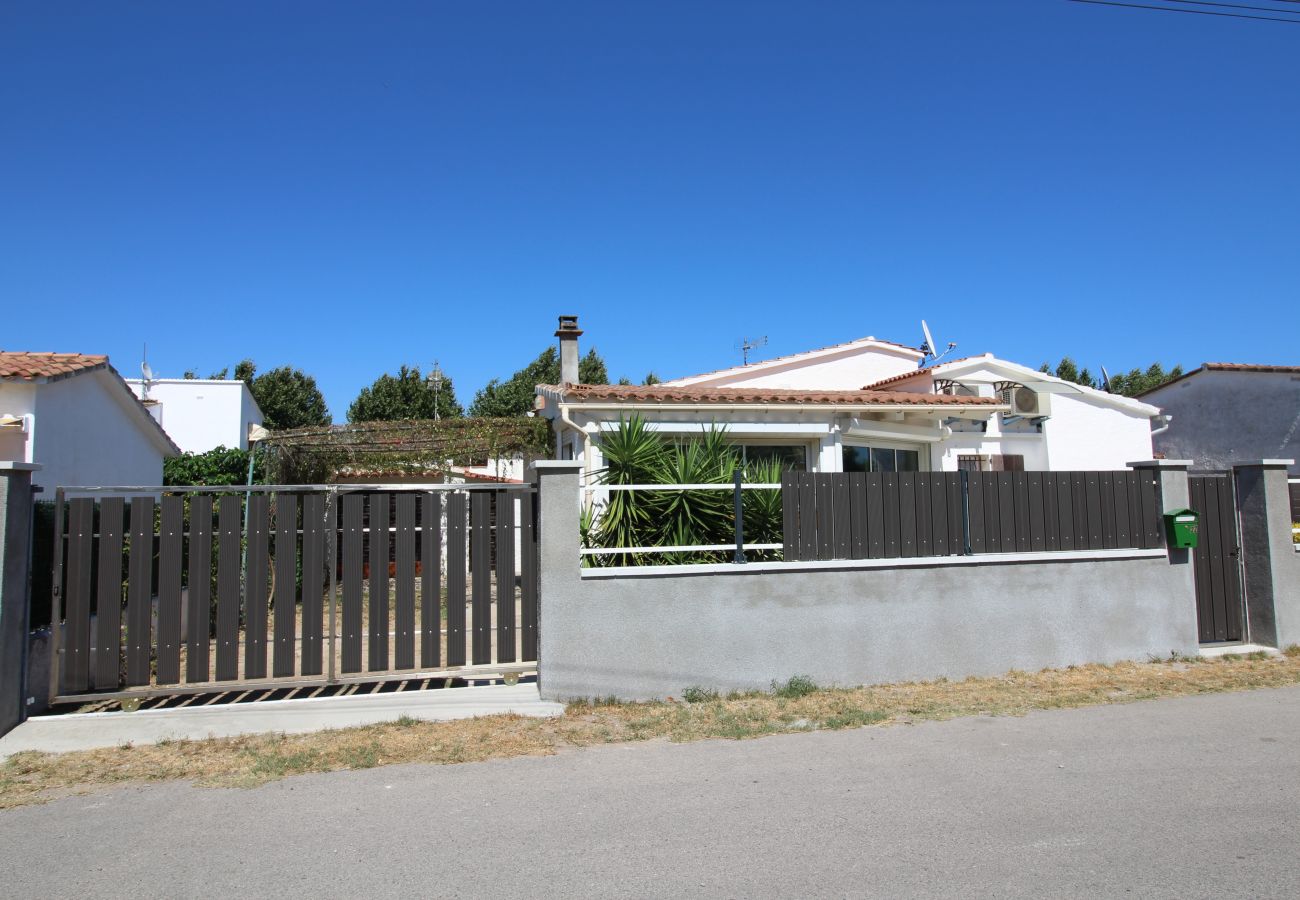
1271,564
15,560
558,544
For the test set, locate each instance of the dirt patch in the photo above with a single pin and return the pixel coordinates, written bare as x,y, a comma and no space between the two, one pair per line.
29,778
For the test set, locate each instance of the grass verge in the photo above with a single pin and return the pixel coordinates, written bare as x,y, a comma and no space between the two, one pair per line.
795,705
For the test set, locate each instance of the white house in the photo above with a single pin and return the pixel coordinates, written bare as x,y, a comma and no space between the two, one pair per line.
74,416
201,414
865,405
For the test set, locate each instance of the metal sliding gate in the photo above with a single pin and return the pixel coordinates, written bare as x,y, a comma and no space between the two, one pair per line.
196,589
1220,606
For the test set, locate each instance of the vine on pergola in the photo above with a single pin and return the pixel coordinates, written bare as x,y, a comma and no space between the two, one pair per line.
317,455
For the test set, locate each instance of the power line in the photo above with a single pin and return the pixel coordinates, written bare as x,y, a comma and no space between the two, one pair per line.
1194,12
1272,9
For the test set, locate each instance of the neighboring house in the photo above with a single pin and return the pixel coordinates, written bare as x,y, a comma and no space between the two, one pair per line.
74,416
201,414
1226,413
866,405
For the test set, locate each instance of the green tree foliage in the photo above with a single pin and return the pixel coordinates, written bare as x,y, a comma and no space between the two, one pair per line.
408,395
636,455
1137,381
288,397
514,396
216,467
1128,384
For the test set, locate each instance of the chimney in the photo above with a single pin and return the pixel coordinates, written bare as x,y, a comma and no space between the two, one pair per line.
568,333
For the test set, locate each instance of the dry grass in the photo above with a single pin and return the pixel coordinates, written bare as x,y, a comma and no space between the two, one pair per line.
29,778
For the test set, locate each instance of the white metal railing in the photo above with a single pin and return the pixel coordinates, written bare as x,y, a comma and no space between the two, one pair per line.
736,487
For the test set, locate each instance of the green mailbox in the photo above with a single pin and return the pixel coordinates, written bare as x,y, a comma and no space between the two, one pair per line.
1182,527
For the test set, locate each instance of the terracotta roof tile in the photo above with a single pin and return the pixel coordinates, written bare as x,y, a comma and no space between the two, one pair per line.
725,395
1250,367
42,366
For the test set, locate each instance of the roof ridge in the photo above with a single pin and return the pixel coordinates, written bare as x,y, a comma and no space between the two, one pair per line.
789,356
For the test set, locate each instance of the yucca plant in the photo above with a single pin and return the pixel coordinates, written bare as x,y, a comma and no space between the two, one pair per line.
633,455
764,516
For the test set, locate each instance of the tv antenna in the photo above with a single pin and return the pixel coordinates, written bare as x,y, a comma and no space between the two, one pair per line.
927,347
747,344
145,371
436,380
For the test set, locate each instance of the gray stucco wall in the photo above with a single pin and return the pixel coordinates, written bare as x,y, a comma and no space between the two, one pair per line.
1221,418
1270,564
654,634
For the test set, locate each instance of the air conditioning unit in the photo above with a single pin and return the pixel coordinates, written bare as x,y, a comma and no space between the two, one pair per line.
1027,402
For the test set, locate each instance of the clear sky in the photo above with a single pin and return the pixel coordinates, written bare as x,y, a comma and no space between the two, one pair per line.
346,187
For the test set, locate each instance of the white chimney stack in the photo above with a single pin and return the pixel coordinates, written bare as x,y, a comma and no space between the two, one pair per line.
568,333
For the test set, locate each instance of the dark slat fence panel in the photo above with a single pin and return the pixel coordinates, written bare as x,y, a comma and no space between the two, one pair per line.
505,593
789,517
171,549
108,596
77,583
285,598
404,579
256,577
378,559
909,514
457,547
431,580
229,534
139,593
199,612
313,581
481,576
353,568
528,578
1293,488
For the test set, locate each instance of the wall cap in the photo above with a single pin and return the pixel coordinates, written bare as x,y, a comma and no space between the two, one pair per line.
557,466
1161,464
1265,464
10,465
915,562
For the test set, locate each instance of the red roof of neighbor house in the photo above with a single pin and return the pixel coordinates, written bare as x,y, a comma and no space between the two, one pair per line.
723,395
46,366
1227,367
1250,367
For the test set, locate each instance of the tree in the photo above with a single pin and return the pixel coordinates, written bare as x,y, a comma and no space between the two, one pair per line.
216,467
652,378
514,396
1128,384
288,397
408,395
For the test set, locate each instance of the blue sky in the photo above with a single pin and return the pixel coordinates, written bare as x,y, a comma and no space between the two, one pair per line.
346,187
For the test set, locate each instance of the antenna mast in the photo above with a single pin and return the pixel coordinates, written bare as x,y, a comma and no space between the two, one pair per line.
747,344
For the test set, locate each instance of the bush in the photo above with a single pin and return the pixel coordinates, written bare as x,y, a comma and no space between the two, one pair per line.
216,467
798,686
697,694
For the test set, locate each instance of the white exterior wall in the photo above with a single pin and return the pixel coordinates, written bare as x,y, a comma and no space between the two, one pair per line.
16,400
848,371
87,434
200,414
1083,435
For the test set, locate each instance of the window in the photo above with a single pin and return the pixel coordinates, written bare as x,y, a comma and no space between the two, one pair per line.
793,457
1006,462
881,459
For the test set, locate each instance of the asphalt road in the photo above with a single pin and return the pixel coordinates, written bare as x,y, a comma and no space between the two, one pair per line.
1195,797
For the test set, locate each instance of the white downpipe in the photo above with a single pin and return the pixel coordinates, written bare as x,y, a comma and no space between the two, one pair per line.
1163,428
586,438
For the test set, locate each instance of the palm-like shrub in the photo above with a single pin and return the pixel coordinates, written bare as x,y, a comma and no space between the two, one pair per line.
636,455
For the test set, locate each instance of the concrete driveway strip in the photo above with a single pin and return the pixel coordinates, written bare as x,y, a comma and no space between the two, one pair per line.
1193,797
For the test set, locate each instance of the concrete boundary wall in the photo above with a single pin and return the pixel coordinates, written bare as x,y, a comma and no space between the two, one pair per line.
651,633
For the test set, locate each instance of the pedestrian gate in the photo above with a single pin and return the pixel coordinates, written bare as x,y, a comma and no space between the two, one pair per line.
1220,610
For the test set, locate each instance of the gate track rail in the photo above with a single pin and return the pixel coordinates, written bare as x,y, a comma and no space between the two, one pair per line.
250,538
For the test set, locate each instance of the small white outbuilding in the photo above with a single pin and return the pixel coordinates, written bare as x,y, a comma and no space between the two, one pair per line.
201,414
74,416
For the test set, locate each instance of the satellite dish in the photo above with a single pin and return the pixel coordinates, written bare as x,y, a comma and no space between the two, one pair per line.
1105,380
928,348
146,371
